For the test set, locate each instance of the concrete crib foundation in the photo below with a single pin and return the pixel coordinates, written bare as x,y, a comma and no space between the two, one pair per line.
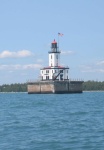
54,87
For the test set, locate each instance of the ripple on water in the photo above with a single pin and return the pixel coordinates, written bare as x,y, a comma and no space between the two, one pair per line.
52,121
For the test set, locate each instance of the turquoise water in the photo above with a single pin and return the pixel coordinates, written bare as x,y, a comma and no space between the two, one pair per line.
52,121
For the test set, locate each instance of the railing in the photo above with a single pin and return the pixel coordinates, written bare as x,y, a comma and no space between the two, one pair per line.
33,80
75,79
38,80
52,51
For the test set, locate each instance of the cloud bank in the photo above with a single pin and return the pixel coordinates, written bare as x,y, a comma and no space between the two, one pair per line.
97,67
67,52
100,62
20,67
9,54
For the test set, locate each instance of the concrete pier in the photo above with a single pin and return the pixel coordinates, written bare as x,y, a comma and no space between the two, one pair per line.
39,87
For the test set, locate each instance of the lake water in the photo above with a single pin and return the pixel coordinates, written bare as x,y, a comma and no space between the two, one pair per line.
52,121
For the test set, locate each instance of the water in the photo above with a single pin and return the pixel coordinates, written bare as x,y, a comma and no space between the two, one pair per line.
52,121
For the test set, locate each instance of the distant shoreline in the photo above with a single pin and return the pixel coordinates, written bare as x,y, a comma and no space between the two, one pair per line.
70,93
88,86
95,91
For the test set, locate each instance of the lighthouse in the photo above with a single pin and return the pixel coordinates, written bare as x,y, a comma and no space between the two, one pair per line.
54,71
54,78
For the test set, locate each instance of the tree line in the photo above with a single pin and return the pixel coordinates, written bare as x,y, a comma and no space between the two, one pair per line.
17,87
93,86
22,87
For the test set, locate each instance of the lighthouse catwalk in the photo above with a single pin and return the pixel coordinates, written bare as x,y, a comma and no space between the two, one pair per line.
54,78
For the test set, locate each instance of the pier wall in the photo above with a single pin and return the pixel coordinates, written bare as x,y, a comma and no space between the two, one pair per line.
75,86
55,87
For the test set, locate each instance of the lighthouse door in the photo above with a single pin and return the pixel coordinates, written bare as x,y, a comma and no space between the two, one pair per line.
61,76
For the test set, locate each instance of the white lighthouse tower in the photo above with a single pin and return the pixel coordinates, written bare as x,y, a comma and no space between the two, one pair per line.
54,71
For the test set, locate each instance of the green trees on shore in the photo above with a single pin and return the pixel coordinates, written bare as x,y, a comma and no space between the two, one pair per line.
93,86
22,87
17,87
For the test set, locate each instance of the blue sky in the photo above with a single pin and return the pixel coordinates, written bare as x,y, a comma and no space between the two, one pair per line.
27,27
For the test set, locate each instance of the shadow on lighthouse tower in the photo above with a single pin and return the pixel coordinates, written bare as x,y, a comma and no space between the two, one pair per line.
54,78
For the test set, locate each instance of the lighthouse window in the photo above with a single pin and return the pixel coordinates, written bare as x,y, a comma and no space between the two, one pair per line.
47,71
51,56
61,71
47,77
56,56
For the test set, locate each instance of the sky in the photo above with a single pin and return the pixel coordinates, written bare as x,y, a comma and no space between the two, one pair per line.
27,28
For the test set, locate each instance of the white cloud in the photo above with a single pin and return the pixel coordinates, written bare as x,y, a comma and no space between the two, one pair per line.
100,62
94,68
39,60
67,52
101,70
32,66
9,54
20,67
